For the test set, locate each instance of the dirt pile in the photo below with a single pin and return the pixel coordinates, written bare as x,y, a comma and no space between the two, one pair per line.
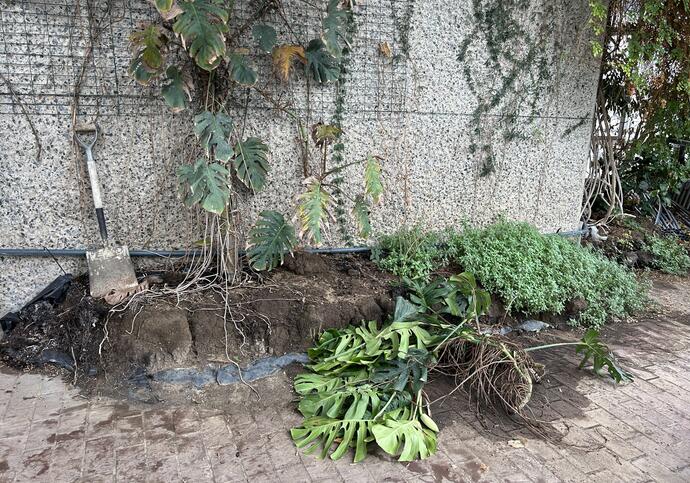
277,315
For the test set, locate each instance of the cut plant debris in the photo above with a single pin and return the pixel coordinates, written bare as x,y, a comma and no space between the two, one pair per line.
365,385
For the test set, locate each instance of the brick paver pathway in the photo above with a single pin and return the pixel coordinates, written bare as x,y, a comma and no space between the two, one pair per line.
638,432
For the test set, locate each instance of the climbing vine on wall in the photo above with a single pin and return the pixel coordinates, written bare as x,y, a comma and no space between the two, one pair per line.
507,67
203,34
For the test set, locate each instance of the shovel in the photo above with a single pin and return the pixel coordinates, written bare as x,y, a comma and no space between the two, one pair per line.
110,267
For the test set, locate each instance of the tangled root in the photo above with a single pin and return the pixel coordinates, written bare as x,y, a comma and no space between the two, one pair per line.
494,370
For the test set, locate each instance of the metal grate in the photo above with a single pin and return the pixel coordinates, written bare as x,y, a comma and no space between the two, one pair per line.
44,44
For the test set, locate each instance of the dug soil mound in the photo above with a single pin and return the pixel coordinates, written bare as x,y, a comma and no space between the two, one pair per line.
156,333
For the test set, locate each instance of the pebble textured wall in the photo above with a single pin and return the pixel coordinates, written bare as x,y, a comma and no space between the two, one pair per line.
415,109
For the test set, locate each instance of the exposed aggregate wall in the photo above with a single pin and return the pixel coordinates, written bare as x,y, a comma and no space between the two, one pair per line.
415,111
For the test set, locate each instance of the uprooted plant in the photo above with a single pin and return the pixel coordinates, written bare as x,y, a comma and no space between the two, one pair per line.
366,383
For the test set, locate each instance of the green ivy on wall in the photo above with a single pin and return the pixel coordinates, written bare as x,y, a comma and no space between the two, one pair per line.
507,65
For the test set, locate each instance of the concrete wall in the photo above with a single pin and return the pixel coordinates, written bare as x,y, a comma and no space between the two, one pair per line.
415,110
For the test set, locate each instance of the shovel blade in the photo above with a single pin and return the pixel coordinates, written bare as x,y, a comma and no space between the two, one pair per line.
110,268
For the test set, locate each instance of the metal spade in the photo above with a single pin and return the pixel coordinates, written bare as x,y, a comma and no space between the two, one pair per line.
110,267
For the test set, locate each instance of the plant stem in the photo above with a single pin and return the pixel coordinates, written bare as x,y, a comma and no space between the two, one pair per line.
548,346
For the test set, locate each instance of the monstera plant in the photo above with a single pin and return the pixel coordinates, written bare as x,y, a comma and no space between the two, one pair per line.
201,30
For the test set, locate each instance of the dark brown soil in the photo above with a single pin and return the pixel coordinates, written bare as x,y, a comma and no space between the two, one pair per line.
278,315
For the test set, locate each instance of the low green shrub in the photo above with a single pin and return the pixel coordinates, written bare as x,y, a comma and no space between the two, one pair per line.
669,255
536,273
411,253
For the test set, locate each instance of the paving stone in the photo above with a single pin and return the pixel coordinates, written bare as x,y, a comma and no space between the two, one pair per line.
633,433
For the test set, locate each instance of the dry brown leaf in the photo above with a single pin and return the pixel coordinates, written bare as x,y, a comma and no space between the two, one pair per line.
385,50
283,57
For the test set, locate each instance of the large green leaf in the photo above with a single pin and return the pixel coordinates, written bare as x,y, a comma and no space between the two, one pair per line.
478,301
202,24
591,347
176,89
372,179
313,211
401,434
361,213
352,431
265,36
206,184
213,131
269,240
251,163
240,70
321,65
405,310
398,373
334,28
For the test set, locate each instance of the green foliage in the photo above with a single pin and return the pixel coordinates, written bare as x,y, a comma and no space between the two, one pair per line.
645,77
372,179
269,240
402,434
366,384
202,24
251,163
536,273
334,28
313,211
265,36
520,76
410,253
164,5
321,65
206,184
203,28
591,347
240,70
176,89
361,213
213,131
670,256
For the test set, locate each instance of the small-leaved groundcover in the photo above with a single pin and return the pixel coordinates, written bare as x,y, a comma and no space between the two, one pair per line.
365,384
531,272
536,273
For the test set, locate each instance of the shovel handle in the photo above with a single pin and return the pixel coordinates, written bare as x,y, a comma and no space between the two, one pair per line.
93,179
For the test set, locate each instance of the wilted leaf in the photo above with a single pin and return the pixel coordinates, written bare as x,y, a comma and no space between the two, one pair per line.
265,36
202,26
372,179
240,70
176,89
313,211
322,66
325,133
361,214
206,184
334,28
139,71
251,163
284,56
147,44
213,131
269,240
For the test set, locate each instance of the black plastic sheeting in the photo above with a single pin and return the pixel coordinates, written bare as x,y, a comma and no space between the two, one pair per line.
54,293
